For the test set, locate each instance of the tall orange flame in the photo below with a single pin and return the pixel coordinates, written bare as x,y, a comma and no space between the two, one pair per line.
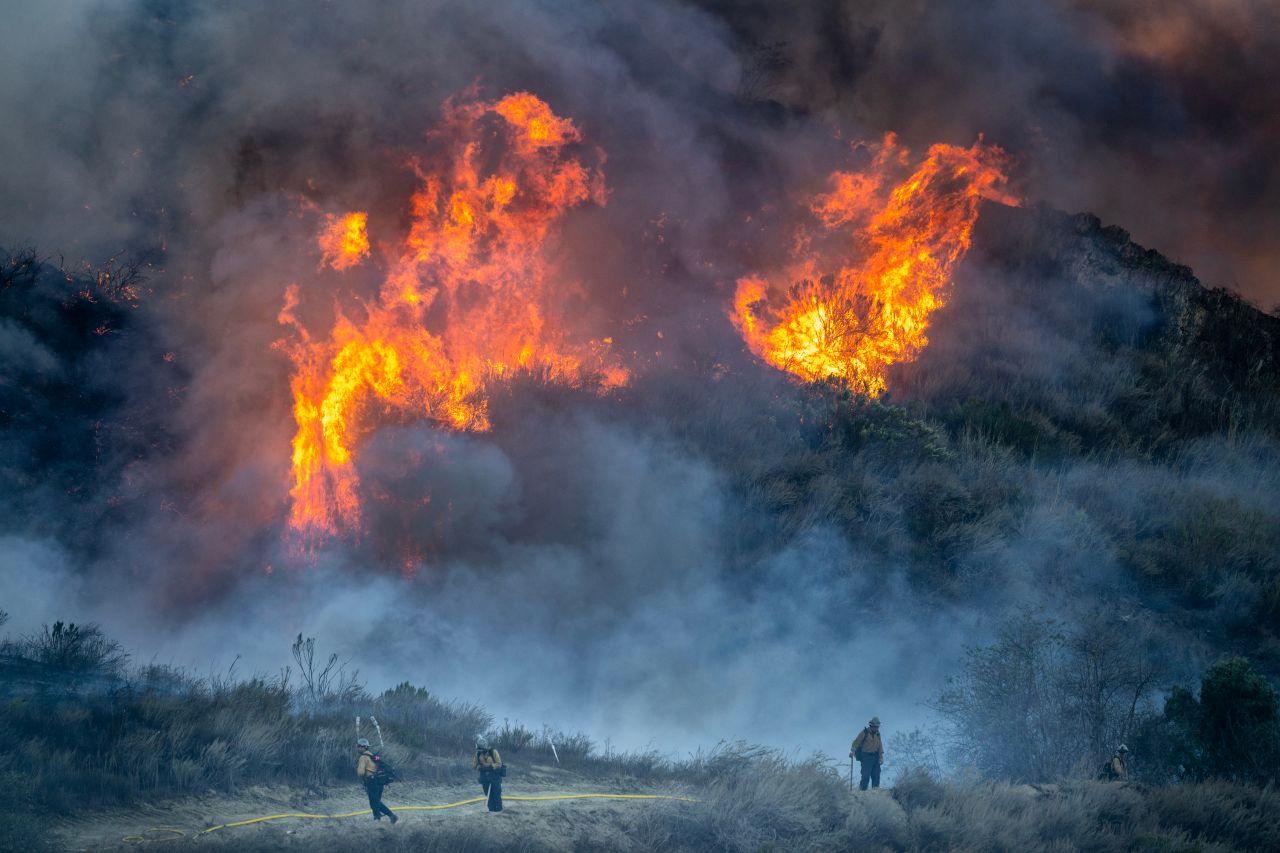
468,298
858,293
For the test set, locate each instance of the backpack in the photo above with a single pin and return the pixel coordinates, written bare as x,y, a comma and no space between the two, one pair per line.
1106,772
384,773
489,773
863,754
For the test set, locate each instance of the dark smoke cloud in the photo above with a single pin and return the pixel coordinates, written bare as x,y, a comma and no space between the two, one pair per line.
1161,117
595,563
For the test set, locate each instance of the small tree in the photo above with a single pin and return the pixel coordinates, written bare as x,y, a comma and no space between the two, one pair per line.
1232,731
1042,703
1238,723
1002,710
1169,743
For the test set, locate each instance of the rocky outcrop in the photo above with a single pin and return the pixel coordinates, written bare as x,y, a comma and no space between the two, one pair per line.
1213,328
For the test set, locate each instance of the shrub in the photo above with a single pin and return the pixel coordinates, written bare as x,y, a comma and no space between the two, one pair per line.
1238,723
753,798
513,738
72,651
916,788
1232,731
22,827
915,750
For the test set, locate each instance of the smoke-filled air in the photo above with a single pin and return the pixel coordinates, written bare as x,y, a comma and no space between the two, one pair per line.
842,424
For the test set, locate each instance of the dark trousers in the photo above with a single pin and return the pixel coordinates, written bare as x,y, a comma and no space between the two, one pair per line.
493,790
870,773
375,801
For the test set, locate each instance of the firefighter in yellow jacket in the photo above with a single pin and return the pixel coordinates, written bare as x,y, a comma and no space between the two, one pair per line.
488,764
1118,770
869,750
367,771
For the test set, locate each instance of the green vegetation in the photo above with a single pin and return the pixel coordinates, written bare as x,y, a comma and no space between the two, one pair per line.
1231,731
1043,703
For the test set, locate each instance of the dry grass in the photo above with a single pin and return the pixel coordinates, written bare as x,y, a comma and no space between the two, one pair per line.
757,801
86,735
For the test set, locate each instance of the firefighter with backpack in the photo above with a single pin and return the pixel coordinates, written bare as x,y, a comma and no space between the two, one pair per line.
375,778
868,749
488,763
1117,767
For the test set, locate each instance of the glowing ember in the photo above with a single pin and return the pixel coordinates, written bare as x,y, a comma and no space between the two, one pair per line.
344,242
468,298
858,294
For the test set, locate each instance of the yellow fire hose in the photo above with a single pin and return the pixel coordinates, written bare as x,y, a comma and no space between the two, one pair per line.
167,833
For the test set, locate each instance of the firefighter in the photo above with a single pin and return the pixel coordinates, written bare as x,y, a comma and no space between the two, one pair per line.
1118,771
868,749
367,770
488,764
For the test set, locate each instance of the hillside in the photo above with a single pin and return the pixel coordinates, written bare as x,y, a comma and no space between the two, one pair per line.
666,393
758,807
1090,434
112,759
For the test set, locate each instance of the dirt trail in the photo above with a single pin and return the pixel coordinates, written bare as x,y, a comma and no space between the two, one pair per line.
180,824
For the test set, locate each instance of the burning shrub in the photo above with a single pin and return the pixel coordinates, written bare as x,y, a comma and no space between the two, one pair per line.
858,296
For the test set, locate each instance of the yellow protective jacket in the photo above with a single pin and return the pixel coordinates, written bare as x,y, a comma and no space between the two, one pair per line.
365,766
1119,768
488,759
869,741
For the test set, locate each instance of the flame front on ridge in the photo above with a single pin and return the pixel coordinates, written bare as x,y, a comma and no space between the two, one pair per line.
467,298
859,290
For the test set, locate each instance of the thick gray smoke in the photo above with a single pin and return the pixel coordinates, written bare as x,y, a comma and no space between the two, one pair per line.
594,563
1159,116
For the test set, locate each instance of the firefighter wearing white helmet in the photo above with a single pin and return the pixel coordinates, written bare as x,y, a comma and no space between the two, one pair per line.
1118,771
488,765
367,770
868,749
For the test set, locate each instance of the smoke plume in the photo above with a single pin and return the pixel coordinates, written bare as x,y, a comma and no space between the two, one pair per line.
690,556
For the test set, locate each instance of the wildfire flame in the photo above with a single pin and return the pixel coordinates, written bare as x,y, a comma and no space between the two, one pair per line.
858,294
468,298
344,241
